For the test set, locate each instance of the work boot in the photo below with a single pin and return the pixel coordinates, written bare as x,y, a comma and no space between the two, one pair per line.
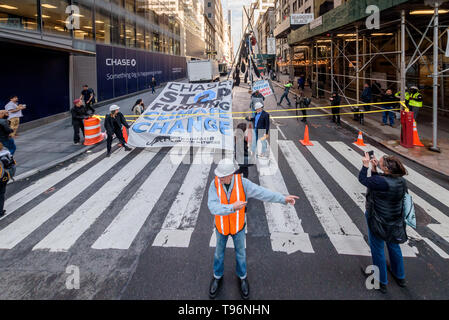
127,148
244,288
214,286
108,155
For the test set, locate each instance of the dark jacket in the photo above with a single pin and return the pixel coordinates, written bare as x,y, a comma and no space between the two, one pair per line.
153,83
5,129
367,95
384,210
335,101
389,98
112,124
263,123
79,114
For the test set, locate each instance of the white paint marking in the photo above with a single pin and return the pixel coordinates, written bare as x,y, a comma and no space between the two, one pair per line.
69,231
342,232
286,232
354,158
30,221
282,133
182,217
45,183
124,228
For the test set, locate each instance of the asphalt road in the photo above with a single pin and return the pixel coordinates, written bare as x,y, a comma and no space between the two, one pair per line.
137,226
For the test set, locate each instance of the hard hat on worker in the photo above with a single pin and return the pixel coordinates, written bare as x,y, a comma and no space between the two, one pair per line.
225,168
113,107
258,105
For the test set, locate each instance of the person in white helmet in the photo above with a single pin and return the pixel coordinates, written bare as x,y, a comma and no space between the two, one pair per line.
113,125
227,199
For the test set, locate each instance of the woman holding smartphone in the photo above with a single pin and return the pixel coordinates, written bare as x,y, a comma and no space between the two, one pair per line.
386,225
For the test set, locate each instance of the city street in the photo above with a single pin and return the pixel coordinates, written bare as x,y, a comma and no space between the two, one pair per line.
137,226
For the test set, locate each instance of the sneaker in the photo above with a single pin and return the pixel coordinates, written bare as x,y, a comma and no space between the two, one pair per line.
127,148
108,155
77,143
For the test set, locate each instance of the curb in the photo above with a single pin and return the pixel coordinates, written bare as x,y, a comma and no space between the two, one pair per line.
355,129
52,164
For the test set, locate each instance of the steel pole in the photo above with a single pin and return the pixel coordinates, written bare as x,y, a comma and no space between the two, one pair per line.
403,71
332,63
435,81
357,75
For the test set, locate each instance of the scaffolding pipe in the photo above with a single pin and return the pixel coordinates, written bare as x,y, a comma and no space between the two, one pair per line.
357,66
435,80
402,55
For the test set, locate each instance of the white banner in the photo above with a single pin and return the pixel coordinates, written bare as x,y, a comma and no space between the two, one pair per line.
187,114
263,87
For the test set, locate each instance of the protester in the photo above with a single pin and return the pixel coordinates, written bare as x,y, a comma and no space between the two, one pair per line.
389,97
286,92
335,101
138,107
227,199
15,113
5,132
241,149
153,85
7,170
88,96
261,122
367,97
301,82
384,200
79,113
302,103
113,125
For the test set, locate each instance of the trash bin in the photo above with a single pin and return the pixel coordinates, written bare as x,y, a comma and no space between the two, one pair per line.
407,129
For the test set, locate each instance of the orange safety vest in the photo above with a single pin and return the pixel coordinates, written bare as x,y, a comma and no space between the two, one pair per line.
233,222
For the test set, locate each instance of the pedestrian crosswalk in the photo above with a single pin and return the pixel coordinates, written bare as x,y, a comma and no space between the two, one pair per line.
31,208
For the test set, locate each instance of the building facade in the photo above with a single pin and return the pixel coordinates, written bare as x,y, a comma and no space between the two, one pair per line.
52,47
214,11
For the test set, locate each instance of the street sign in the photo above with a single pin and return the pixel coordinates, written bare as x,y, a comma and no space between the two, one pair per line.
301,18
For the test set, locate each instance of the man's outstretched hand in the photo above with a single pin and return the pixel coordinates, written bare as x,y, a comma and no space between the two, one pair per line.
239,205
291,199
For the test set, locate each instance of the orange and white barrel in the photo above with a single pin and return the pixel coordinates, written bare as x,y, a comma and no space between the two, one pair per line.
92,131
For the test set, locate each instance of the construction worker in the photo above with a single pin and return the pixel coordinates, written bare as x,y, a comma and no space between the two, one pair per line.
407,96
416,101
286,92
227,200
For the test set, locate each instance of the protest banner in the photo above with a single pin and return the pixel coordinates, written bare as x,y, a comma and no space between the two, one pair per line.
263,87
187,114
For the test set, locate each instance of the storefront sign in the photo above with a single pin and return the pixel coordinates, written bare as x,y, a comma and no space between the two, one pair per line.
301,19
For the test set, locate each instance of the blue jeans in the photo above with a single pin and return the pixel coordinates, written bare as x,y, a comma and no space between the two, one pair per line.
10,145
254,143
285,95
378,254
240,254
388,114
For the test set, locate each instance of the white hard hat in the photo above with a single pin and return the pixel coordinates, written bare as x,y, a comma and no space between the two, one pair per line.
258,105
225,168
414,87
114,107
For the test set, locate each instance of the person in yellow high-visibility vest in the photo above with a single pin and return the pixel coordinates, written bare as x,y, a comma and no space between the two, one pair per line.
416,101
407,96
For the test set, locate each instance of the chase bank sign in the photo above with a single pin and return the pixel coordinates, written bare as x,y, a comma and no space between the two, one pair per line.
121,62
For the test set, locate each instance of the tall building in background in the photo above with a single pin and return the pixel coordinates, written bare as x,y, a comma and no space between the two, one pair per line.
214,12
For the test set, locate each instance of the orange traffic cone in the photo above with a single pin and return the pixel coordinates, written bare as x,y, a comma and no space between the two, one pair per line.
306,141
125,134
359,141
416,141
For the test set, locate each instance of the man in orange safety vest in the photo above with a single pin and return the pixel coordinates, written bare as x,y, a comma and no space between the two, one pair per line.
228,195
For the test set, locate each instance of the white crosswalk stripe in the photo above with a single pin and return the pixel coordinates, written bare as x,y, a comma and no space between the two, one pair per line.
355,158
67,233
33,219
43,184
342,232
124,228
182,217
349,183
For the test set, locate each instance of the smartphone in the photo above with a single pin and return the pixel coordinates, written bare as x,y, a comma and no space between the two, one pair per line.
371,154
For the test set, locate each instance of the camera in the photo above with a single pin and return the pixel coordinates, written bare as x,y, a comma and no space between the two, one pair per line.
371,154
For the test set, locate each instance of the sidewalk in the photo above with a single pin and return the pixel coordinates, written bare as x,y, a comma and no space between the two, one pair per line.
48,145
390,137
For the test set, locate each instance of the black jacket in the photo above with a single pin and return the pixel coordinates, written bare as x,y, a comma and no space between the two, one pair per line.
389,98
336,101
263,123
5,129
111,124
384,211
81,113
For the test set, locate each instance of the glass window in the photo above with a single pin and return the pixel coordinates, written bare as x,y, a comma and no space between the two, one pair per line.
55,19
86,28
130,38
140,38
19,14
103,27
156,42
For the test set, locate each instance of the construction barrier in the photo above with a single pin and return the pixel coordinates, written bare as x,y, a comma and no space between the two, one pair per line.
92,131
407,129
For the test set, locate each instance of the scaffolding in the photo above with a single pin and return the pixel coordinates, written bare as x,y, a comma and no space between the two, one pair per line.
343,59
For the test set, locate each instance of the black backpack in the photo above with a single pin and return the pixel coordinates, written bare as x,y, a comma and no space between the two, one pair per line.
7,167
